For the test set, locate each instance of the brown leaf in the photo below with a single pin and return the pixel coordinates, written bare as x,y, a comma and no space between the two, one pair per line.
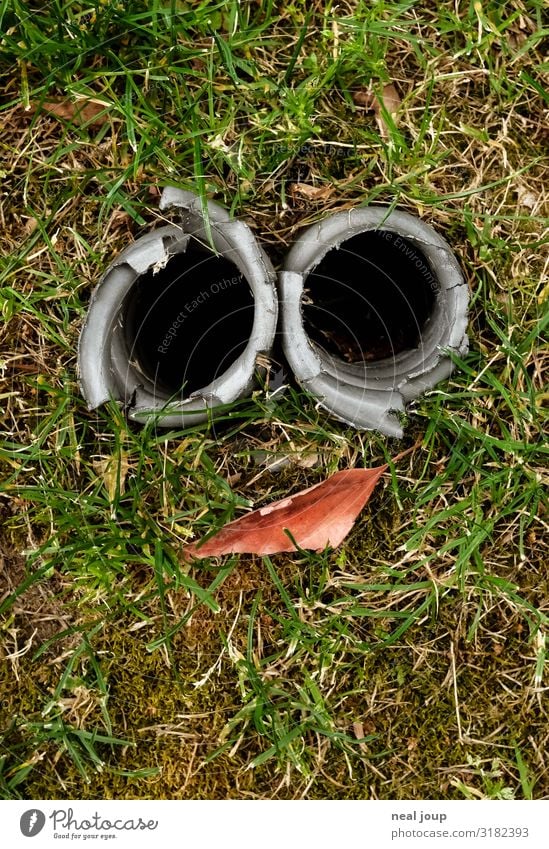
358,730
310,192
316,517
113,470
364,97
79,111
30,226
389,100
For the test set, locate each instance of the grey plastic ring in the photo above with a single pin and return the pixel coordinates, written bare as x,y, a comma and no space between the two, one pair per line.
136,344
369,390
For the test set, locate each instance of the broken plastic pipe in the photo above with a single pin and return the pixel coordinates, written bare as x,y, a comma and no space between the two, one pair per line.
372,303
176,328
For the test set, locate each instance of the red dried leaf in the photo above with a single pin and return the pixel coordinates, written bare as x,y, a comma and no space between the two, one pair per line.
316,517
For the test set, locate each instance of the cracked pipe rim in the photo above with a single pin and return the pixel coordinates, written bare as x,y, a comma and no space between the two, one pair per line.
371,394
106,357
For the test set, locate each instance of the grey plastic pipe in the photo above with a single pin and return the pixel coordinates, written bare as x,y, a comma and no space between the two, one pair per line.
372,302
174,328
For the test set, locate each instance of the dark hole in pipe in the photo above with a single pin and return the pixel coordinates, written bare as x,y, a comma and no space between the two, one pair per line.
186,324
369,299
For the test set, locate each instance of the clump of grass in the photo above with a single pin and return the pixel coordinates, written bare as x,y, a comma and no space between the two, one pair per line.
409,664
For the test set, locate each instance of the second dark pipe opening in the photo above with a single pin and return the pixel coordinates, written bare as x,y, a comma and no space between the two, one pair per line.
370,298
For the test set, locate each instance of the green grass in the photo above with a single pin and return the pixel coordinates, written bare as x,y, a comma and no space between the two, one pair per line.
411,662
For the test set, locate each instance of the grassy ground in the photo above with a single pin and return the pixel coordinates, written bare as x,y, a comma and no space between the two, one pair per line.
411,662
